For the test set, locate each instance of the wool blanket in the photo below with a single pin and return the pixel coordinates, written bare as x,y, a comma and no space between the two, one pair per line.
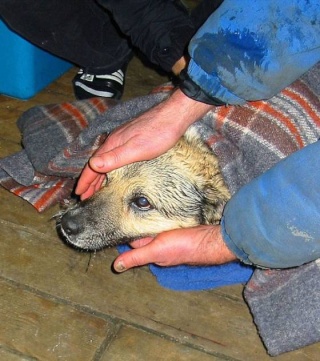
58,139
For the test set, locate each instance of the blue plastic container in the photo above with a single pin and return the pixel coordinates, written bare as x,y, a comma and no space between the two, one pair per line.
25,69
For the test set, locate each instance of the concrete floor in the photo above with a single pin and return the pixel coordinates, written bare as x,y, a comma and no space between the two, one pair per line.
56,304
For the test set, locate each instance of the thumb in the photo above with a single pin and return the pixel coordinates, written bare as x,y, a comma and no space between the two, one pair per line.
105,162
117,158
136,257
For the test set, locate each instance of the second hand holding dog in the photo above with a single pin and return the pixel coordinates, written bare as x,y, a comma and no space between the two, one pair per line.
144,138
202,245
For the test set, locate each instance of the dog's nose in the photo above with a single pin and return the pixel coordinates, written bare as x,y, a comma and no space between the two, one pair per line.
70,225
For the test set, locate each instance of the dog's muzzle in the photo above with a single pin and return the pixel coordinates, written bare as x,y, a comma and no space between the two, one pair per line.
71,227
80,228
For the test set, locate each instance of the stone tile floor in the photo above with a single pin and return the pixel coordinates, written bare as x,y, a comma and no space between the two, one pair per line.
58,304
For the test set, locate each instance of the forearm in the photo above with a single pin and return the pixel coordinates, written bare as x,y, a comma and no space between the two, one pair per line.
274,220
251,50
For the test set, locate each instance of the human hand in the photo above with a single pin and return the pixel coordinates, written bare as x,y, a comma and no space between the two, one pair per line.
145,137
201,245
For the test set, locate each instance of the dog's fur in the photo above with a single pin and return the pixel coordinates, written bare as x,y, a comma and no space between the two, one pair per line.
181,188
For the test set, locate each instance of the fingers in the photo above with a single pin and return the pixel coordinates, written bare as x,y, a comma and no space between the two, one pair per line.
137,257
141,242
202,245
105,160
164,250
127,153
89,182
93,187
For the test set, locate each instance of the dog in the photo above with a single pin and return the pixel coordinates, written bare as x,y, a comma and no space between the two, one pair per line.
182,188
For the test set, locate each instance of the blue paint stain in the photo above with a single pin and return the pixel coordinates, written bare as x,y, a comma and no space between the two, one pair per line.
235,50
249,50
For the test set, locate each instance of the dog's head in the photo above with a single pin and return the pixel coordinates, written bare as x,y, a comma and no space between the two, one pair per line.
181,188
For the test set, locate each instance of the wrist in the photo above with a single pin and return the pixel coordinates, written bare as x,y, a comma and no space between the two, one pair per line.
185,111
220,252
194,91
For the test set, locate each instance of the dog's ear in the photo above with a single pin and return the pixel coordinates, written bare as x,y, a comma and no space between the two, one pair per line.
213,202
207,178
210,184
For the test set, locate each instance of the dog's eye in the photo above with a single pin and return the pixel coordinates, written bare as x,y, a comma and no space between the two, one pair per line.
142,203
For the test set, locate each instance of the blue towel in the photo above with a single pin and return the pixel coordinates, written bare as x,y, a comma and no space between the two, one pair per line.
197,278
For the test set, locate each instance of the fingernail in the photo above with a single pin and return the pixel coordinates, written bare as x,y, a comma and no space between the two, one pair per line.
98,163
119,267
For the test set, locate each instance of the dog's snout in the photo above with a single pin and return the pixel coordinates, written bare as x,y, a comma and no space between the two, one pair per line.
71,224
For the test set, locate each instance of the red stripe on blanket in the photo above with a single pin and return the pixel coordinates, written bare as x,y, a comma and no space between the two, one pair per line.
303,103
267,108
19,191
99,103
68,107
222,114
47,197
168,87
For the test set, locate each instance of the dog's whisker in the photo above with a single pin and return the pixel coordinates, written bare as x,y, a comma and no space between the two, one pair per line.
57,216
89,261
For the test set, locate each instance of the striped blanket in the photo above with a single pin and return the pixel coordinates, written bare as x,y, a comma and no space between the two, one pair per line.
58,139
248,140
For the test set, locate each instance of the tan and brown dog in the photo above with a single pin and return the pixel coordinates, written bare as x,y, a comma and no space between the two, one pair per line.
181,188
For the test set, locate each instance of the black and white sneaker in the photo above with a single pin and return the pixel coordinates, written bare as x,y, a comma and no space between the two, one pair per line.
102,85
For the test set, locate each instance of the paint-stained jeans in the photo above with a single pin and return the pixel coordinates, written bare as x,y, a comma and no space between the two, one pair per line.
250,50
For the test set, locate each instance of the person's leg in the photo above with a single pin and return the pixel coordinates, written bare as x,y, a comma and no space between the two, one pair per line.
80,32
86,34
198,15
159,28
